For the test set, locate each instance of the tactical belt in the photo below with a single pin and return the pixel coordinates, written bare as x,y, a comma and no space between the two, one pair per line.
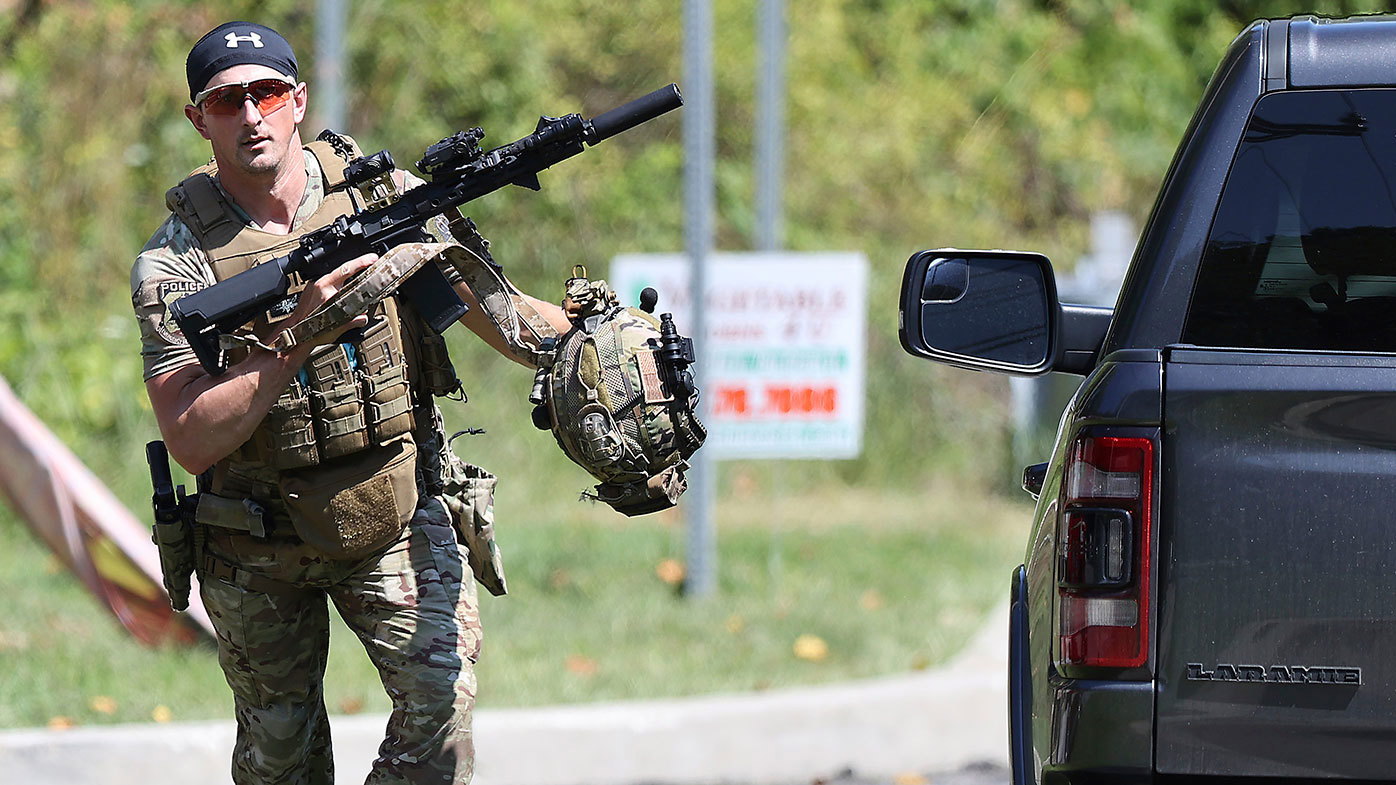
216,569
240,515
243,515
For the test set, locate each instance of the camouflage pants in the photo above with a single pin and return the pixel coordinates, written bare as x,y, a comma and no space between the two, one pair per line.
414,608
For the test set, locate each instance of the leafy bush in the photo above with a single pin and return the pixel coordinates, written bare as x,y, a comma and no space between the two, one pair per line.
957,122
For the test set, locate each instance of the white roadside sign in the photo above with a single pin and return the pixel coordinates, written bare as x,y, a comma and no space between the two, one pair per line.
785,351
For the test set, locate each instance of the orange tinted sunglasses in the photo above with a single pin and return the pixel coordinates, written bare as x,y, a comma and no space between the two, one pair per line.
227,99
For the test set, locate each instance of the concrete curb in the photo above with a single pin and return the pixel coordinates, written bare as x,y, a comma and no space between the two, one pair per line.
936,720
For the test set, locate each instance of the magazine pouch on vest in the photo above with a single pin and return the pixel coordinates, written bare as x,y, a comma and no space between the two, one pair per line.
286,436
355,505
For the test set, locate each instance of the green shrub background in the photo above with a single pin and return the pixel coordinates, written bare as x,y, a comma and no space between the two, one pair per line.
973,123
969,123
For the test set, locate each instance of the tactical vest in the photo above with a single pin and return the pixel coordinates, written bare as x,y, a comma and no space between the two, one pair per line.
346,398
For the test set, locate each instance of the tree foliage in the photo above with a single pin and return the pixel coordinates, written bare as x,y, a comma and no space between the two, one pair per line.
992,123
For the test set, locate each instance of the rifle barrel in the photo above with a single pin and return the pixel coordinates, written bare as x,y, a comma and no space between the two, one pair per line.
642,109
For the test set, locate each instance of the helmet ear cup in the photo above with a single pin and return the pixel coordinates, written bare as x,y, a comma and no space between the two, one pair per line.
542,420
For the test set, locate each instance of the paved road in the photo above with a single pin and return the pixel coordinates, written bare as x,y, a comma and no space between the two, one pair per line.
973,774
950,721
979,774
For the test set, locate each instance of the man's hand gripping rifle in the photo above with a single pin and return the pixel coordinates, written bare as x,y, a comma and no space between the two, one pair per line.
458,172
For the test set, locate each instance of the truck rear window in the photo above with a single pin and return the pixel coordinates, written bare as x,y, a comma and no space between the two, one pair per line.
1302,253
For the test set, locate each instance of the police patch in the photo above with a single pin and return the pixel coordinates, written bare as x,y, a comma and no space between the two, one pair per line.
167,292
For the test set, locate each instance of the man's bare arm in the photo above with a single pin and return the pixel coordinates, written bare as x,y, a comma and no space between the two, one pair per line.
204,418
480,324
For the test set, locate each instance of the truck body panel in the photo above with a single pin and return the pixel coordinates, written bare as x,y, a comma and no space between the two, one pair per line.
1127,391
1276,622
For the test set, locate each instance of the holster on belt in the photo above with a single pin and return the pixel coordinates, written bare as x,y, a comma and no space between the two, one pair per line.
172,531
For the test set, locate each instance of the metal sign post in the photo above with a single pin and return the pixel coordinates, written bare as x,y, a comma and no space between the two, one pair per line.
329,63
770,126
698,132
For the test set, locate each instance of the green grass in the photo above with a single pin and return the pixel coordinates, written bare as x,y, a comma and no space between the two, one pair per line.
889,581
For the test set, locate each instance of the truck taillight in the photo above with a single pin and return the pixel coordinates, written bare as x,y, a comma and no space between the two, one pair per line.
1103,552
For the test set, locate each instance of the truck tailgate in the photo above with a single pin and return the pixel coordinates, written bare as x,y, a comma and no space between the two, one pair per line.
1277,554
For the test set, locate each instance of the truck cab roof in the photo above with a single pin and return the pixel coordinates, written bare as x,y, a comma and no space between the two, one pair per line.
1358,51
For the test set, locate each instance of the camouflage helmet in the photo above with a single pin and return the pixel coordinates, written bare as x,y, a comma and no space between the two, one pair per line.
615,390
620,400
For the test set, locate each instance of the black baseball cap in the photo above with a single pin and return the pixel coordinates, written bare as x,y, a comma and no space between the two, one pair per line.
237,43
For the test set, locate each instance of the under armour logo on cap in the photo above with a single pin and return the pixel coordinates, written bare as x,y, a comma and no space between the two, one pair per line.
252,38
237,43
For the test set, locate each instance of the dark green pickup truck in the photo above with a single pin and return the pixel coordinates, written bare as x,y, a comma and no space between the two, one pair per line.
1209,589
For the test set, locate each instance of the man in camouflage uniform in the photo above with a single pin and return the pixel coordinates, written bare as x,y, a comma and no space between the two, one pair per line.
411,602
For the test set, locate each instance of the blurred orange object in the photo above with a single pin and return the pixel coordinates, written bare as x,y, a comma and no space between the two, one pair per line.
88,530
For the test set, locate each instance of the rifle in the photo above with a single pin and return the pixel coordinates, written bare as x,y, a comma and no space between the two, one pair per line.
457,172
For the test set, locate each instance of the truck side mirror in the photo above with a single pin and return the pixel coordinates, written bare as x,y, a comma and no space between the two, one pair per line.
984,310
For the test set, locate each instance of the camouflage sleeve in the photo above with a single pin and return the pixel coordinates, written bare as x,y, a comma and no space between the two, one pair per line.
170,266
